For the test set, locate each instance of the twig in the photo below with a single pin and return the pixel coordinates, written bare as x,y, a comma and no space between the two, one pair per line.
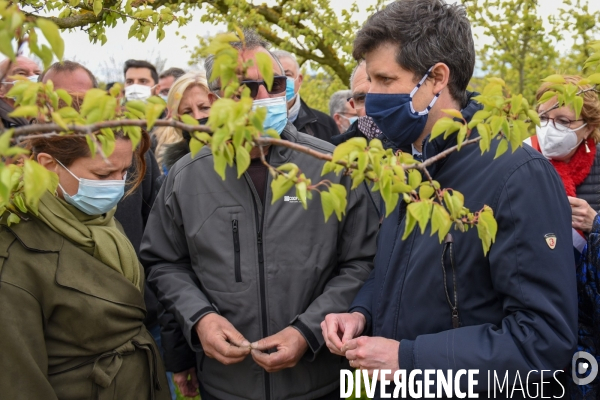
84,129
129,16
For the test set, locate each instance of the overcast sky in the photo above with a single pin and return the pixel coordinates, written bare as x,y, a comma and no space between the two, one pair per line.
176,50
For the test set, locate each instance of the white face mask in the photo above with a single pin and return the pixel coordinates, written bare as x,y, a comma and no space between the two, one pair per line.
138,92
557,143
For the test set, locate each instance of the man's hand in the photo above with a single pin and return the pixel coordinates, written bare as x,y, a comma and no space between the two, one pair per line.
290,345
582,214
221,341
340,328
188,388
372,353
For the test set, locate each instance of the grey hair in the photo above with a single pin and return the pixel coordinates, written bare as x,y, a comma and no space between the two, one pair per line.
361,62
424,32
338,101
286,54
252,40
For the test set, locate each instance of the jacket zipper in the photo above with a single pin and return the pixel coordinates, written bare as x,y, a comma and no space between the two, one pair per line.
236,249
263,293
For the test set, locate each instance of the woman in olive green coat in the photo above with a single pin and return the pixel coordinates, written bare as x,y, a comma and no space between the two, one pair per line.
71,301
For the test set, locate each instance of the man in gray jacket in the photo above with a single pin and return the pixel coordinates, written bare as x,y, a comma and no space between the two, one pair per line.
249,282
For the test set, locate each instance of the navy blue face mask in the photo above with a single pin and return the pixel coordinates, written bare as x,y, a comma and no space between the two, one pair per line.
396,117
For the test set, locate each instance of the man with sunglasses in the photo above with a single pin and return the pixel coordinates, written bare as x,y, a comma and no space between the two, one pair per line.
248,281
304,118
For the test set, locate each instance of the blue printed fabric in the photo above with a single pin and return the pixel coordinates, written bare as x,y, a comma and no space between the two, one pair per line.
588,281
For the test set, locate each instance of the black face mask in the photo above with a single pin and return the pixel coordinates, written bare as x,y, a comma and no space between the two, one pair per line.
187,136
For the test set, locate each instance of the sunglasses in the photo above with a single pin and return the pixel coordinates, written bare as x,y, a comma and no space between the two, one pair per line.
279,85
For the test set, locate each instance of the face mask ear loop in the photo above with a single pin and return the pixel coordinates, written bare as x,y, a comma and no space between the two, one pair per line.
414,91
67,169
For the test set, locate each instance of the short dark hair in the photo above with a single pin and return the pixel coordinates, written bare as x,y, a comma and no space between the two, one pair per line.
174,72
141,64
68,66
252,40
426,32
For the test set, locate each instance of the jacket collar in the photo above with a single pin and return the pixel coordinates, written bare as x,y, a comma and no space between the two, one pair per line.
36,236
439,144
280,155
306,116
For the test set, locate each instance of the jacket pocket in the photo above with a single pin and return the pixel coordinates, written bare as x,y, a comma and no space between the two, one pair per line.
236,250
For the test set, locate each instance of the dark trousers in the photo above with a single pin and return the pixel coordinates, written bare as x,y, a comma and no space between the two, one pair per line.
335,395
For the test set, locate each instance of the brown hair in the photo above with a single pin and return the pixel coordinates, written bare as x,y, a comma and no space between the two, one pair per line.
69,148
590,112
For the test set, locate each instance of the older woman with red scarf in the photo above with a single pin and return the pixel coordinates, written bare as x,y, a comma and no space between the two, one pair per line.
570,142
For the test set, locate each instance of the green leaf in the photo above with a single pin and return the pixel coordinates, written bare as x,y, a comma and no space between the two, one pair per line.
301,190
37,180
13,219
440,222
64,96
195,146
340,193
421,211
441,126
487,227
454,202
484,133
577,106
558,79
188,119
25,112
411,222
265,67
153,111
97,7
242,159
547,96
59,121
220,164
50,31
453,113
534,117
327,203
414,178
426,191
594,79
502,147
460,138
280,186
6,45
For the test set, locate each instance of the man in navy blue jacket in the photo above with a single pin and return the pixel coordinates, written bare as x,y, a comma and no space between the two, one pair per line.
447,306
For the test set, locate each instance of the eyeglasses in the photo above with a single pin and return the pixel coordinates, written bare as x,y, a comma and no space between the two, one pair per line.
561,124
279,85
357,101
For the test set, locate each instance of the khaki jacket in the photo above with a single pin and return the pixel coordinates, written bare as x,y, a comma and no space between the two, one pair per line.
70,326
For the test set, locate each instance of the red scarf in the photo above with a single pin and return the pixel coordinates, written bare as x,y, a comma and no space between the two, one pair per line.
577,169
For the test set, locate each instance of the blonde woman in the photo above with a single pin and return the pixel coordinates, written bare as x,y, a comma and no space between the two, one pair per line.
188,95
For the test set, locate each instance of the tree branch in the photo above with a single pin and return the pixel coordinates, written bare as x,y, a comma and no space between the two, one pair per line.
86,129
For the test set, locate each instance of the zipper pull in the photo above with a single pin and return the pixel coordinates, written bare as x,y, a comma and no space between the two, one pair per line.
234,225
455,320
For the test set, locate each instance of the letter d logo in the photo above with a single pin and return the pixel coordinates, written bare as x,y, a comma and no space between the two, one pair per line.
582,367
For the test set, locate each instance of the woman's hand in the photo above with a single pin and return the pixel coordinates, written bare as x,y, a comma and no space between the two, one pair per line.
187,387
582,214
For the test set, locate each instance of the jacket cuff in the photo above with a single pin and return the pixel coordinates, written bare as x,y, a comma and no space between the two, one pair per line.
596,225
193,337
367,331
405,355
313,343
